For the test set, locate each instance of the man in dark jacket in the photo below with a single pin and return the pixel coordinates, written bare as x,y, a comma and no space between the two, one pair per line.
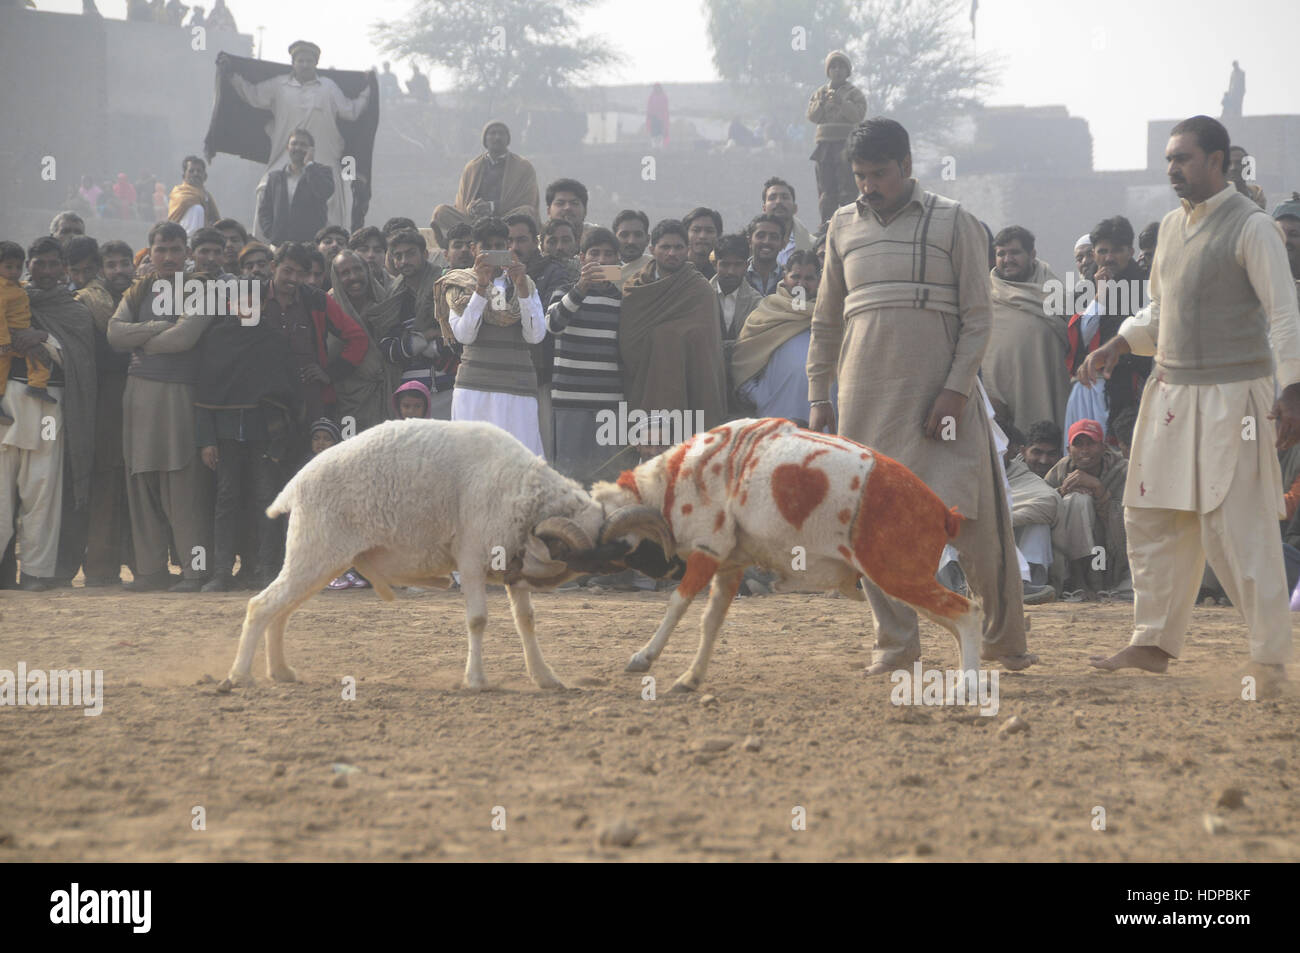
292,208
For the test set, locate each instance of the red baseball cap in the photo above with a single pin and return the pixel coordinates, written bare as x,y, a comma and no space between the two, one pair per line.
1089,427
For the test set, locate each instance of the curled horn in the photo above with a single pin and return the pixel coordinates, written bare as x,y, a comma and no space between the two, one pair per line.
644,520
566,531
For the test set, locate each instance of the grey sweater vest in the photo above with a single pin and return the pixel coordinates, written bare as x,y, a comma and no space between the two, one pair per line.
498,361
1213,329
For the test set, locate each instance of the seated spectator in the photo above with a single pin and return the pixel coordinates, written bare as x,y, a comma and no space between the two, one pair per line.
1042,447
1034,507
498,183
1090,482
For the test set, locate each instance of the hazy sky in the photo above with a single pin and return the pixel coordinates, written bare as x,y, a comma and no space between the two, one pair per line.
1117,63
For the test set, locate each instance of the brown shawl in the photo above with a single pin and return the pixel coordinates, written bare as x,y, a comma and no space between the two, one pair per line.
389,311
670,345
366,393
455,288
184,196
768,326
518,184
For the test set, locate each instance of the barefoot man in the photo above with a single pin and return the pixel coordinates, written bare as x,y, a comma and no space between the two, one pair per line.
902,319
1203,478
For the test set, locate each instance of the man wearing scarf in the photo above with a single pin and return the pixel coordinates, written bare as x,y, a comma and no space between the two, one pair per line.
1024,366
769,363
906,353
190,204
669,337
497,183
48,450
364,394
496,315
168,489
108,530
836,108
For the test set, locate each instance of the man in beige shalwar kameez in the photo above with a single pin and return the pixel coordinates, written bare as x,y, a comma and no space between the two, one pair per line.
902,319
1203,478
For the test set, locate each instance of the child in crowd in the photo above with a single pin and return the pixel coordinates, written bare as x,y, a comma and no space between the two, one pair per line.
411,400
16,315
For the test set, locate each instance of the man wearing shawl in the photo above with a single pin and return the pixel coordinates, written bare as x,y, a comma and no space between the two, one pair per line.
669,338
190,204
364,394
836,108
497,183
1024,366
769,363
413,339
40,462
302,99
109,531
906,356
168,489
496,315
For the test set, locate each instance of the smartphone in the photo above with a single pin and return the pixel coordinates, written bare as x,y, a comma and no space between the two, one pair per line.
500,259
612,273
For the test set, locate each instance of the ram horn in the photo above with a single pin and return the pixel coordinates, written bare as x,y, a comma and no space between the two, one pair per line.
642,520
566,531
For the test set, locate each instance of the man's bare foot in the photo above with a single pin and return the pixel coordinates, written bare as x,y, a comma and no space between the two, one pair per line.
1014,663
884,668
1149,658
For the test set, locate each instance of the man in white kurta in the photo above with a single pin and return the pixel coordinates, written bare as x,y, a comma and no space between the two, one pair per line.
304,100
1203,478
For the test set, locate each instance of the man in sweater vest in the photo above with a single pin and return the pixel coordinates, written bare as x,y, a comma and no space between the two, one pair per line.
902,319
169,491
496,314
1203,478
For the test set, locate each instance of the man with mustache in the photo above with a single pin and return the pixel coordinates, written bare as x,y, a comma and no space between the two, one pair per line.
908,355
736,296
766,239
1203,474
632,229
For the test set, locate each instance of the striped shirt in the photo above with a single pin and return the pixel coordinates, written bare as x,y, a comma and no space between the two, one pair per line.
586,370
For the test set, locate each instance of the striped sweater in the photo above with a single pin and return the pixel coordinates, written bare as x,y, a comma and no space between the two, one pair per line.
586,371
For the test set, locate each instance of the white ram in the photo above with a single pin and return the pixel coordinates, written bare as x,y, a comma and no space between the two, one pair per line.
408,502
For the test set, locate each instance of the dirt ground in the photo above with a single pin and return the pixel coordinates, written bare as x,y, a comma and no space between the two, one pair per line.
427,768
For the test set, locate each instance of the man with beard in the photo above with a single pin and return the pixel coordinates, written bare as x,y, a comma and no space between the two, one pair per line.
190,204
669,340
632,230
498,182
1024,365
766,237
778,200
363,396
48,449
372,246
1083,260
1224,327
495,314
736,296
108,539
703,229
587,381
836,108
236,238
168,490
907,357
1119,293
412,339
769,362
1043,442
292,207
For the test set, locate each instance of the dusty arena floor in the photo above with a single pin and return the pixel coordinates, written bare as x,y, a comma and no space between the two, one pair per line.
416,769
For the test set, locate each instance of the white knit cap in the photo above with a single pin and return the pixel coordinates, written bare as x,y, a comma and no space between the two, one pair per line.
1085,241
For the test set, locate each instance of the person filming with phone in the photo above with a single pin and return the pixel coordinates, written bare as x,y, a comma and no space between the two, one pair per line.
493,309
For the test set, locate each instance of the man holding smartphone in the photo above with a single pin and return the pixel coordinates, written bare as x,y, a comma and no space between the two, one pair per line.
494,311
